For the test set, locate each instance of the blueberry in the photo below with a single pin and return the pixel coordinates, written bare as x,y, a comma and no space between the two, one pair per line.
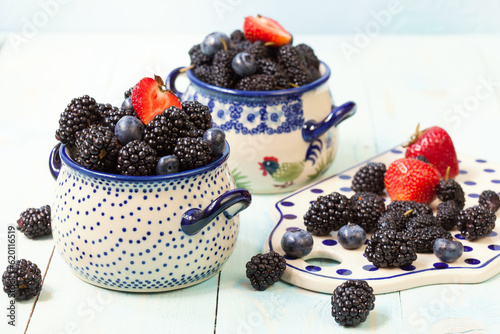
351,236
127,104
168,164
297,242
244,64
128,128
216,138
447,250
213,43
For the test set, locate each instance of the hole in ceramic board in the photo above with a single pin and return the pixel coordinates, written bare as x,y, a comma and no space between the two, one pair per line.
323,262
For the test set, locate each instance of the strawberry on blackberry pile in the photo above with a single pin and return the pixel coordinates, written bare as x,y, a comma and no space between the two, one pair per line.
35,222
136,158
328,213
22,280
447,214
264,270
490,199
192,153
79,114
369,178
476,222
352,301
390,248
367,208
97,148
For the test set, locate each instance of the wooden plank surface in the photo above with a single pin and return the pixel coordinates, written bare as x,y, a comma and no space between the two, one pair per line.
397,81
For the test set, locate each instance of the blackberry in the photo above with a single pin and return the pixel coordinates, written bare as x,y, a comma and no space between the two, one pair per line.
293,62
192,153
476,222
422,221
204,73
22,280
114,115
424,237
367,208
237,36
264,270
390,248
242,45
447,190
351,302
164,130
197,57
490,199
328,213
128,93
308,54
198,114
394,220
35,222
369,178
258,50
271,67
222,72
421,158
405,206
103,109
447,214
79,114
136,158
314,73
97,148
257,82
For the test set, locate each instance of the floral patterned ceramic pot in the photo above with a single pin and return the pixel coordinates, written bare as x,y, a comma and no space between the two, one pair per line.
280,140
145,233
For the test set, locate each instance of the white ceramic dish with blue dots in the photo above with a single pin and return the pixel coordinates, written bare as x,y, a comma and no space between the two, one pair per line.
329,264
125,233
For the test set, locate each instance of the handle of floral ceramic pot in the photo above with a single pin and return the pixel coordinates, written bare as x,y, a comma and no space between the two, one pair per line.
170,81
55,161
230,203
312,130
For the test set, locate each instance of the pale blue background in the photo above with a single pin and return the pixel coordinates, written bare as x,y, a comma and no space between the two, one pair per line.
190,16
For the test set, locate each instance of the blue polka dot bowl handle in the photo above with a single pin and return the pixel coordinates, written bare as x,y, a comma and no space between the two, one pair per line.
170,81
230,203
312,130
55,161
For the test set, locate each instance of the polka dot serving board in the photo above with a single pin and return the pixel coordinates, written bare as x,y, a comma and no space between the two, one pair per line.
329,264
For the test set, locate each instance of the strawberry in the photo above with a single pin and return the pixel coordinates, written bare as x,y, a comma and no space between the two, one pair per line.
435,144
411,180
150,98
264,29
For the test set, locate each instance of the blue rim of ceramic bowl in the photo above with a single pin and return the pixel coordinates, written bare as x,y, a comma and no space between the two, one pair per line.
151,178
246,93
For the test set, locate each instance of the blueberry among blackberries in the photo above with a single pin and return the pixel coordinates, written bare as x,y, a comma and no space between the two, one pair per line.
447,250
22,280
168,164
244,64
297,242
490,199
35,222
127,104
351,236
264,270
216,138
352,301
129,128
214,42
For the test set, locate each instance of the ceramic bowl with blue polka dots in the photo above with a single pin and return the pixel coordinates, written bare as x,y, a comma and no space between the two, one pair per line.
145,233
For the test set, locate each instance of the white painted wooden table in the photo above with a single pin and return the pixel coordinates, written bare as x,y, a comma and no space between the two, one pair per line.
397,81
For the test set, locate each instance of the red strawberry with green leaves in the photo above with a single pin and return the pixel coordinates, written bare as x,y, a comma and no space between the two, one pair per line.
151,98
436,145
264,29
411,180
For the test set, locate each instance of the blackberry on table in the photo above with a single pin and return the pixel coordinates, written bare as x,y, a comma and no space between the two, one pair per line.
198,114
476,222
264,270
367,208
257,82
222,72
447,214
97,148
79,114
394,220
328,213
293,62
450,190
114,115
421,221
35,222
352,301
405,206
369,178
390,248
22,280
424,237
490,199
197,57
136,158
192,153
